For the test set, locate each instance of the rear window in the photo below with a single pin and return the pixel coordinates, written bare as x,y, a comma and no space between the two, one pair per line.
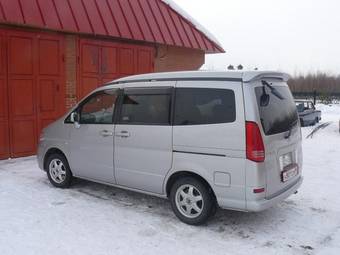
279,114
300,106
200,106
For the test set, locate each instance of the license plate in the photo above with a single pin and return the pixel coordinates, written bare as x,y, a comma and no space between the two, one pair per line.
286,160
289,172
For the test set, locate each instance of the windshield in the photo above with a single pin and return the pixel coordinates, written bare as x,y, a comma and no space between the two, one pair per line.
278,115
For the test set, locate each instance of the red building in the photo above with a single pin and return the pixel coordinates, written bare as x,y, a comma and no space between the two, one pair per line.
53,52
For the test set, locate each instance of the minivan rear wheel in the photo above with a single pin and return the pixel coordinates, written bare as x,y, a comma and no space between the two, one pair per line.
58,171
192,201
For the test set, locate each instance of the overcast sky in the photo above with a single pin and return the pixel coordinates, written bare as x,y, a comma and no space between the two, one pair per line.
296,36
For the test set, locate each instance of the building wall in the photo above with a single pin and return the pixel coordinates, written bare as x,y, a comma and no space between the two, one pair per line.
70,70
49,70
169,58
32,87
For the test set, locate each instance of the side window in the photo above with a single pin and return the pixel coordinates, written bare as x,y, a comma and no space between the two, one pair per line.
99,108
146,109
300,107
68,120
200,106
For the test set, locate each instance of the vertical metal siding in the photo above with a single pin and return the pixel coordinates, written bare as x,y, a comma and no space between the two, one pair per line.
131,20
151,21
107,18
142,21
31,13
49,14
168,21
65,15
160,21
117,13
199,39
12,11
190,34
95,17
180,29
80,16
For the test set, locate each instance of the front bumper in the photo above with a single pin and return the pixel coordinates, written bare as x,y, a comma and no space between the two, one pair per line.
263,204
41,154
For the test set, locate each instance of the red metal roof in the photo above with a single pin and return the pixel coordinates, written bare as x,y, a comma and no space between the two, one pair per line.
142,20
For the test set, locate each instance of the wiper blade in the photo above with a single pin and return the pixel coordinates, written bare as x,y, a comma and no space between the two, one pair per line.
273,90
289,133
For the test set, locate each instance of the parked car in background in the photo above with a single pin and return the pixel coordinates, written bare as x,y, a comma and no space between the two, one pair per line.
201,139
307,112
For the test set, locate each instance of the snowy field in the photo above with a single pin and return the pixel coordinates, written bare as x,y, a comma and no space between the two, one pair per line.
90,219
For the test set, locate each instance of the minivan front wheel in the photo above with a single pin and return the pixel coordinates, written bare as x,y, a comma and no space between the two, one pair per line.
192,201
58,171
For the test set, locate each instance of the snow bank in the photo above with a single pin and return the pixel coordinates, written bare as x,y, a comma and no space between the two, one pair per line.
330,112
329,109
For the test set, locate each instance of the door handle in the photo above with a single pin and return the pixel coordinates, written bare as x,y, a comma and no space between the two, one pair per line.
123,134
106,133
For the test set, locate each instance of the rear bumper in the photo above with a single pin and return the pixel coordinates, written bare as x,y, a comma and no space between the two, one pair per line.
263,204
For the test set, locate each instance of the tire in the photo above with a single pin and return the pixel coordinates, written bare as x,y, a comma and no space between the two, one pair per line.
314,122
214,209
192,201
58,171
302,123
317,120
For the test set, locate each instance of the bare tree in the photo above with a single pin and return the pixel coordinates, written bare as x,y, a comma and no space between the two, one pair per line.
320,82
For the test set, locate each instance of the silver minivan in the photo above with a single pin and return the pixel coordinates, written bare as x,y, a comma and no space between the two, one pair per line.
202,139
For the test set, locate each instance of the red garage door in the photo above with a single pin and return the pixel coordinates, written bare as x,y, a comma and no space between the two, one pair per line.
102,61
4,131
31,88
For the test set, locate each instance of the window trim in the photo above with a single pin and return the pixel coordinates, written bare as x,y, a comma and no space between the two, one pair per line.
148,91
139,91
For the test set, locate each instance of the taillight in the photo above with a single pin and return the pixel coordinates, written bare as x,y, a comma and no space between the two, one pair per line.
255,146
260,190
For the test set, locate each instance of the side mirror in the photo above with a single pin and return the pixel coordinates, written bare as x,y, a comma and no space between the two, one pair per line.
75,119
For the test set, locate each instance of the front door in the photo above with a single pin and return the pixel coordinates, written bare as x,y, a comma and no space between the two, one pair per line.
143,138
92,141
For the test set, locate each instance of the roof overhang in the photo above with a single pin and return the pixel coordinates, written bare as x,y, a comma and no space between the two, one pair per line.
150,21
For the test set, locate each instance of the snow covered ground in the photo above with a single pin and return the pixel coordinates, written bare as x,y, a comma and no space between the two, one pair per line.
89,218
